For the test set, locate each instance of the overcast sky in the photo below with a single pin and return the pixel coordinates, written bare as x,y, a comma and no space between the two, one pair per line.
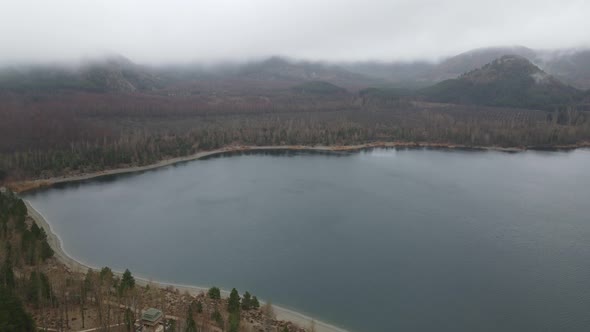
150,31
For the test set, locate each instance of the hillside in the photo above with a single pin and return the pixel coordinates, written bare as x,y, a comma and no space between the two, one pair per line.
120,75
43,79
111,74
408,74
319,88
510,81
572,67
422,73
277,68
569,66
114,113
457,65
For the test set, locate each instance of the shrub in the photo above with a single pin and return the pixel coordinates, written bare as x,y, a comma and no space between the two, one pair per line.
214,293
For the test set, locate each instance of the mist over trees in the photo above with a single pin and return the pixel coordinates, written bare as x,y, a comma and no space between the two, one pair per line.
141,116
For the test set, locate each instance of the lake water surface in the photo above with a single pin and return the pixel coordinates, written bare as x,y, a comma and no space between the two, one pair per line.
381,240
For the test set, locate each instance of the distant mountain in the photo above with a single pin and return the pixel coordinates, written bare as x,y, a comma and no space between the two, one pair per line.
570,66
278,68
319,88
421,73
43,79
407,74
468,61
120,74
511,81
112,74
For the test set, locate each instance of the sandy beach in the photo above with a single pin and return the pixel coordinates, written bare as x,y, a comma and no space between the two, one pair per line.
76,266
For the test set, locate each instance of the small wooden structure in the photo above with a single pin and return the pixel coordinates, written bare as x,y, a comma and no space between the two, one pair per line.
151,317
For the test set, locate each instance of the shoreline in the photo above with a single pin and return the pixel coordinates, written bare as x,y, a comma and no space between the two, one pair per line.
29,185
281,313
76,266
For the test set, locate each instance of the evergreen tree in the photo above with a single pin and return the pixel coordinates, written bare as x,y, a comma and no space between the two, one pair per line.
254,303
127,282
234,321
247,301
216,316
7,275
6,272
106,274
13,316
19,209
46,251
199,307
129,320
172,326
214,293
233,304
191,325
38,288
88,285
35,230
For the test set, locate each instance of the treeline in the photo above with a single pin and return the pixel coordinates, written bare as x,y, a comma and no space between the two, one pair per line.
39,142
30,282
225,314
23,247
25,243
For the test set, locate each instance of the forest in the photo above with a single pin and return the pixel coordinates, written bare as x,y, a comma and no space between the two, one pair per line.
45,135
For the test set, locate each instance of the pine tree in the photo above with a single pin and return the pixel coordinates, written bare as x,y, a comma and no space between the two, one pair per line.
233,304
255,304
127,282
214,293
234,321
247,301
199,307
216,316
13,316
191,325
129,320
6,273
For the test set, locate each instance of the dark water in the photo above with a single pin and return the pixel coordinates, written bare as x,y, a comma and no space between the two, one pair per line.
383,240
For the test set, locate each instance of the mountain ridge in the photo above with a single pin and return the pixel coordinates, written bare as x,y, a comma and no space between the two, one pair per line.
119,74
509,81
570,66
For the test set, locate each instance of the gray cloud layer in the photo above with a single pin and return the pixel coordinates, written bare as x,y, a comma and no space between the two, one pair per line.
152,31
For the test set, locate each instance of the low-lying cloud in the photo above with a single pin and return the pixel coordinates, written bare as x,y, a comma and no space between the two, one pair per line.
150,31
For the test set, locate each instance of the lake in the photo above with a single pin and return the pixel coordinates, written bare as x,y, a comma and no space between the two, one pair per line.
377,240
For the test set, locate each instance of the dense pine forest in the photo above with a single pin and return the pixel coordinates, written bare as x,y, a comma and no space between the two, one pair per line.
24,248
